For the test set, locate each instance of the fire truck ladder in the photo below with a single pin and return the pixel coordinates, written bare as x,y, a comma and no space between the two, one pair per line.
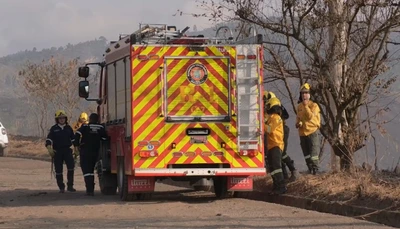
248,84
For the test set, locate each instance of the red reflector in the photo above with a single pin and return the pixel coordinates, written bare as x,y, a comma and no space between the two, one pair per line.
206,153
154,143
251,57
249,153
177,154
142,57
142,143
154,57
148,153
190,154
218,154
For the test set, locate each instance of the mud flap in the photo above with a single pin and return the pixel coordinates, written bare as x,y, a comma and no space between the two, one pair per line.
240,183
140,184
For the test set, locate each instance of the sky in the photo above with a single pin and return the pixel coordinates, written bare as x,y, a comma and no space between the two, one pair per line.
52,23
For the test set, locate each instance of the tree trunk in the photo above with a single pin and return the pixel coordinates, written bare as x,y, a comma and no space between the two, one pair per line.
336,64
346,156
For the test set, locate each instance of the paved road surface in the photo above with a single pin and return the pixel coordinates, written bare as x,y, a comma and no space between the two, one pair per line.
29,199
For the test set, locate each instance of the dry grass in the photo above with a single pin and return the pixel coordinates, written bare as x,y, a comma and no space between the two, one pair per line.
32,147
378,190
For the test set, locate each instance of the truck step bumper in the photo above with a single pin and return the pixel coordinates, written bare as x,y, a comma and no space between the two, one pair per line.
200,172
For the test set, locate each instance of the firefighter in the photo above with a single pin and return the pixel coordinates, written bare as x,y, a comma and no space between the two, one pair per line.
308,121
87,144
83,119
58,143
286,160
275,145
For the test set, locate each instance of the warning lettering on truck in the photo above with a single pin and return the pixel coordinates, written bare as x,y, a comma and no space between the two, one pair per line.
240,183
197,86
143,184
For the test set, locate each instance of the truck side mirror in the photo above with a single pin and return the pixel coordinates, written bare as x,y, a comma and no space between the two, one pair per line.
83,72
84,89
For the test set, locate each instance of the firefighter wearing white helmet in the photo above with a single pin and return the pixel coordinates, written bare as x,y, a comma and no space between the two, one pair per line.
286,160
275,145
58,143
308,121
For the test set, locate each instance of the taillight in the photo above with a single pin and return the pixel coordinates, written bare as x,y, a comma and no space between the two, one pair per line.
148,154
249,153
3,131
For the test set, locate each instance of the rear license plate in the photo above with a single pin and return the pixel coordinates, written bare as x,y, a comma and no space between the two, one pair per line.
198,139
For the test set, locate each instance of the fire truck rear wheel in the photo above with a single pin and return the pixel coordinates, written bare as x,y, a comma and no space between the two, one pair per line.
205,188
144,196
108,183
221,187
123,182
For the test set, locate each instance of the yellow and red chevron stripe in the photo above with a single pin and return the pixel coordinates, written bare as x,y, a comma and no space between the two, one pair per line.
148,113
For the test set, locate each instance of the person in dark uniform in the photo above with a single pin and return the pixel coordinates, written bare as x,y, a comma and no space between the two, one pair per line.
87,144
58,143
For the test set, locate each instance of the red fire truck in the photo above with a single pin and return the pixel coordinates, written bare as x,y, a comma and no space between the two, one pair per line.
180,107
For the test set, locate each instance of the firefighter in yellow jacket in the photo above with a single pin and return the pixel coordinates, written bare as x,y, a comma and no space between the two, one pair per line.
83,119
286,160
275,144
308,121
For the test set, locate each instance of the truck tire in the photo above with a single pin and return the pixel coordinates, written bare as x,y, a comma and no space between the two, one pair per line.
205,188
3,152
144,196
107,181
221,187
123,182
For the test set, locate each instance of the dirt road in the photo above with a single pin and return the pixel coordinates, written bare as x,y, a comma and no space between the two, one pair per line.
29,199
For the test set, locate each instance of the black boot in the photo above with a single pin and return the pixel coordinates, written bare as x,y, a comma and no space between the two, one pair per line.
89,183
60,183
70,183
310,169
294,173
284,171
280,184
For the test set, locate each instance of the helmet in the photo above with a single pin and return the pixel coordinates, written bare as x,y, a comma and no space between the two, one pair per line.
273,102
60,114
305,87
83,117
268,95
94,118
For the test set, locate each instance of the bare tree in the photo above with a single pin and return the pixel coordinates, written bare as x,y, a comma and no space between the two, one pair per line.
340,47
51,85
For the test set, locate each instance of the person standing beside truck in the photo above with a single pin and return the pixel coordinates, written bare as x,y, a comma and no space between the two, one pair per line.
58,143
275,145
286,160
308,121
83,119
87,144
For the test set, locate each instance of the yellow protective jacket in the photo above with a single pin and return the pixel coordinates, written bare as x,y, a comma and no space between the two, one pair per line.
310,117
77,125
274,131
